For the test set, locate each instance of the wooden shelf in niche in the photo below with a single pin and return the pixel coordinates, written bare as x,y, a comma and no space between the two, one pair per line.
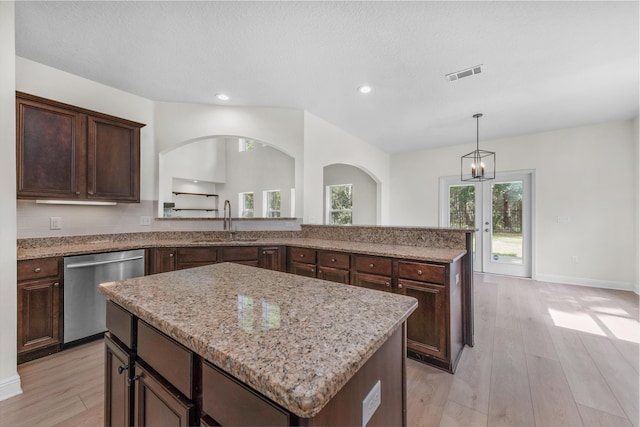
177,193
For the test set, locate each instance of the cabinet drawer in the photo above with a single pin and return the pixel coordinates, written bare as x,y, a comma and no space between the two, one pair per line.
374,265
333,260
231,403
38,269
239,254
167,357
197,255
120,323
302,255
423,272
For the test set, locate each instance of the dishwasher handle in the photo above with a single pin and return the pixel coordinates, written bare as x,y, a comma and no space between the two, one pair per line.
94,263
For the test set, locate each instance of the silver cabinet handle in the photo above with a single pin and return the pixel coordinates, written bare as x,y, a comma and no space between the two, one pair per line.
419,272
37,270
56,284
399,285
370,265
333,260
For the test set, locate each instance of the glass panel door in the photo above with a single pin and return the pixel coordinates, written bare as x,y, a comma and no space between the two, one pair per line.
500,212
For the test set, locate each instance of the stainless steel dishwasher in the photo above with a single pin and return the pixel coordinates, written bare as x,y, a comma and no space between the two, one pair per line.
84,307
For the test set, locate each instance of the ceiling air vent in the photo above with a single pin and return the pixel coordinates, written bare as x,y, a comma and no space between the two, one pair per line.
452,77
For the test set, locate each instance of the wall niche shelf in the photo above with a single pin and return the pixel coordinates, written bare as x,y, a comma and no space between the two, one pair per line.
193,202
177,193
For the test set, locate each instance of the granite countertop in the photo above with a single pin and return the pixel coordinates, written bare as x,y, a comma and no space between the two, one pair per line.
418,253
294,339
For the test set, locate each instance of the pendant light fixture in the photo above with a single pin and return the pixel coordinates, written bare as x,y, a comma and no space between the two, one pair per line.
479,165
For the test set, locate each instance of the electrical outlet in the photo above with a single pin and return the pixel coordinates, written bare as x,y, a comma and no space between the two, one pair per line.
55,223
575,259
564,219
371,403
145,220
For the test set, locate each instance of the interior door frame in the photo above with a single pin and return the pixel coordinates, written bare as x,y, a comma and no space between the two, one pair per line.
443,216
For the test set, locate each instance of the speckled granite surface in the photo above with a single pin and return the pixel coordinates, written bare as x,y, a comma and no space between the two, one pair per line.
420,244
296,340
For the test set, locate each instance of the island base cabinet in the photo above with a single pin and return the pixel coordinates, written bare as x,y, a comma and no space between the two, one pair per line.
229,403
118,393
157,403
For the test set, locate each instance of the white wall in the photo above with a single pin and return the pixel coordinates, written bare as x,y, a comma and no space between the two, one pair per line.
261,169
636,135
585,173
364,191
178,123
325,144
9,379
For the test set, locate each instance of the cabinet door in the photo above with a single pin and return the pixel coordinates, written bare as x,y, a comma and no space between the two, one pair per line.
164,259
427,327
113,160
271,258
39,313
333,275
159,404
372,281
302,269
48,142
118,394
196,257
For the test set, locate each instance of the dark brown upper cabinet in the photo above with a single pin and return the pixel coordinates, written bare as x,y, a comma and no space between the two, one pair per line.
70,153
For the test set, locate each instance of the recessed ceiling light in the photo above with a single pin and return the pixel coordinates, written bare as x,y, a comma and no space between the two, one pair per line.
364,89
195,181
222,96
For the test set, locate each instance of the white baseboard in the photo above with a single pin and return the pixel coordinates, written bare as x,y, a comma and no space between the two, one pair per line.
580,281
10,387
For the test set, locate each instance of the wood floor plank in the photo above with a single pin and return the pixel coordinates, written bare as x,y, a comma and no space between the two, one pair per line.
470,387
456,415
510,401
427,388
553,403
594,418
535,334
587,384
619,375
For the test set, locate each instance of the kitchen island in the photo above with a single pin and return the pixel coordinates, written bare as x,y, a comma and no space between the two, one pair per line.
238,345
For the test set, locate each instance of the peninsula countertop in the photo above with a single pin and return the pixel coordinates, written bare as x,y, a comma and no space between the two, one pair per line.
53,247
294,339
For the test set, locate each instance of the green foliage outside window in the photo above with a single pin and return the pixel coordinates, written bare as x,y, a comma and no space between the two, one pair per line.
340,212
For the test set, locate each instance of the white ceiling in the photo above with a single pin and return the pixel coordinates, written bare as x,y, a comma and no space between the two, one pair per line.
548,65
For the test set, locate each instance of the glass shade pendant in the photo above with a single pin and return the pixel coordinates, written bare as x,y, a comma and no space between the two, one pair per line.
479,165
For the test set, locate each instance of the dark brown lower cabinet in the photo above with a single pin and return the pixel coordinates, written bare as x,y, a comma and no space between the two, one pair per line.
162,260
118,393
272,258
333,274
427,328
39,308
372,281
157,403
302,269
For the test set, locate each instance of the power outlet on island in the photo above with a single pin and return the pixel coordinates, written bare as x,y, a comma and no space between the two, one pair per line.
145,220
371,403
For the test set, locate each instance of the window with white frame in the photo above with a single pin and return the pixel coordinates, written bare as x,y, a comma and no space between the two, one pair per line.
340,204
246,204
245,144
272,204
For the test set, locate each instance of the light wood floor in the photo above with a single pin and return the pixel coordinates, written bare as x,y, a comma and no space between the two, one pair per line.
545,355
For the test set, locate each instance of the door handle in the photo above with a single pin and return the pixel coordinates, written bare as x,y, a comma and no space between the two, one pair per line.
486,229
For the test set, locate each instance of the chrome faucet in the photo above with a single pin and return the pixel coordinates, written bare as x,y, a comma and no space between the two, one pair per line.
227,220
